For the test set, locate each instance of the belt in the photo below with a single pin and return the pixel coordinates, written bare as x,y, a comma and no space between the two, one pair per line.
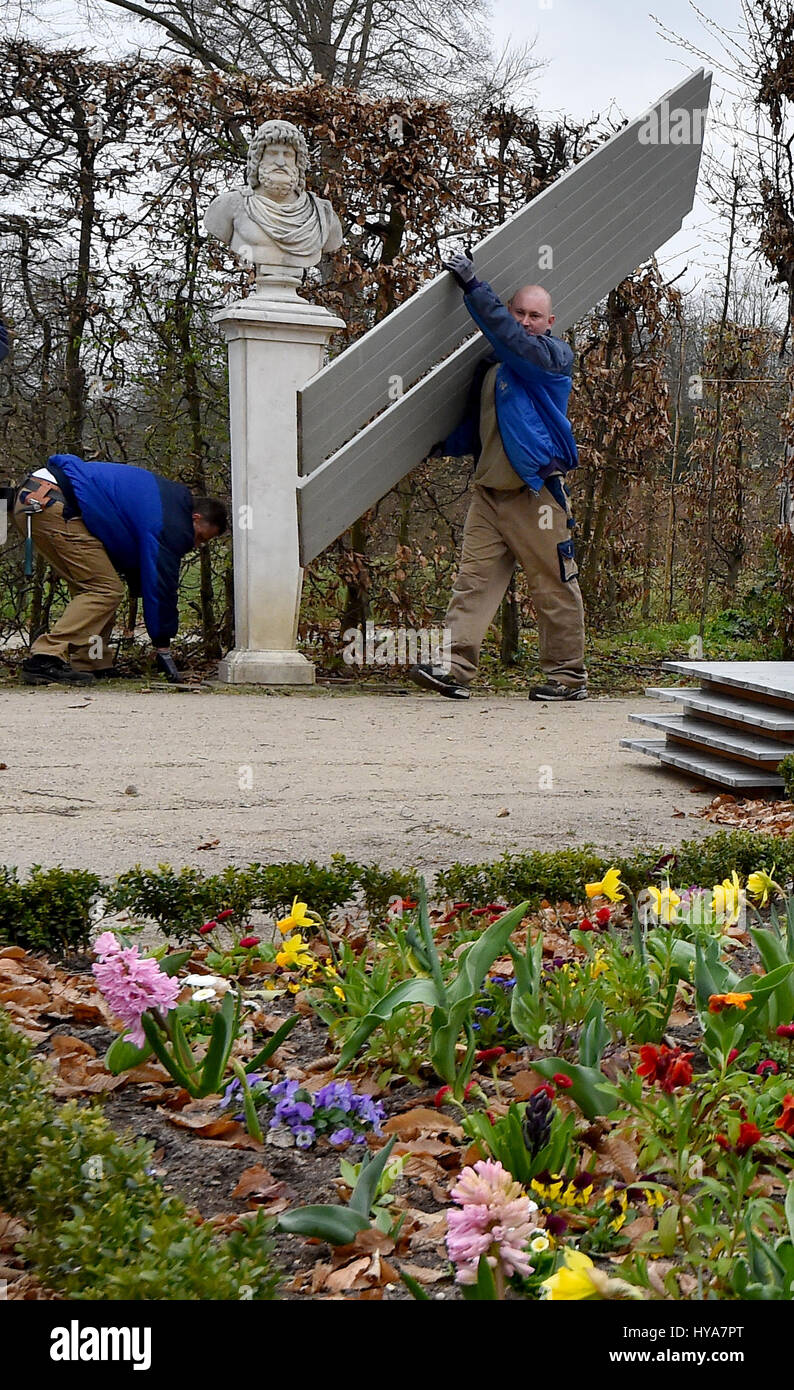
38,493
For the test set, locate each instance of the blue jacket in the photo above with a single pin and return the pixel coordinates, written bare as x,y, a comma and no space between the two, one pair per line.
145,523
533,384
3,340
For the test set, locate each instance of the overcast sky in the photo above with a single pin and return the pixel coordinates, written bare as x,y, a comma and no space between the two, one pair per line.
602,56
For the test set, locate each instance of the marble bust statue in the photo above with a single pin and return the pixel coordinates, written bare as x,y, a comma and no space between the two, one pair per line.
273,222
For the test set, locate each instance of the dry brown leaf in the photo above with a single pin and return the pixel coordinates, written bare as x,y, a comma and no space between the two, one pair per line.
525,1083
343,1279
424,1274
11,1231
257,1185
616,1155
201,1120
421,1121
65,1045
12,953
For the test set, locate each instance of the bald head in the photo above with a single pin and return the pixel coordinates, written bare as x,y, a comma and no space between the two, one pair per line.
531,306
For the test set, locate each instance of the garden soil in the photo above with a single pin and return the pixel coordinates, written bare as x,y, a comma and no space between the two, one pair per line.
112,777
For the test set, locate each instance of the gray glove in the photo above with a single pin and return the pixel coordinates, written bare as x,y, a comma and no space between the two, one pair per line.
168,666
462,267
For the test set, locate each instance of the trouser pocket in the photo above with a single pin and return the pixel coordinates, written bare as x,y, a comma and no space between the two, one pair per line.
567,559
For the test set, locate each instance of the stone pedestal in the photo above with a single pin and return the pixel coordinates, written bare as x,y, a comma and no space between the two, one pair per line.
276,343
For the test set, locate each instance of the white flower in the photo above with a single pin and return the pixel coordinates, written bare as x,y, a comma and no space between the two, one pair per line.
202,994
201,983
539,1243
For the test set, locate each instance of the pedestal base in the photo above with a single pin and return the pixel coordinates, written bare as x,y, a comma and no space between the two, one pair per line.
266,668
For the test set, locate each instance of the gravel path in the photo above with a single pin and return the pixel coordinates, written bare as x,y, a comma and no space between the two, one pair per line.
119,776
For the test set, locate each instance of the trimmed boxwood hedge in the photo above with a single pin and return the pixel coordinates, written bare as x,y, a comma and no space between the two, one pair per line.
51,911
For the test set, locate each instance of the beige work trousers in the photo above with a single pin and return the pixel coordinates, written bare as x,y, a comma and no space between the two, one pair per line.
96,588
530,529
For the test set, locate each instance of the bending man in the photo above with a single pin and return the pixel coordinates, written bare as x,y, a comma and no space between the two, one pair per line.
98,522
516,426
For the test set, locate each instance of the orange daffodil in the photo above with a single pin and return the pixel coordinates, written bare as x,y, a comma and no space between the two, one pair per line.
608,887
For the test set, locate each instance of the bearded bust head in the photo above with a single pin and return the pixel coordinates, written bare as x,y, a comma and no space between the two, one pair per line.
273,222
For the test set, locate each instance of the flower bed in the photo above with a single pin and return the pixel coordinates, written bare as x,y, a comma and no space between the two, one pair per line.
590,1099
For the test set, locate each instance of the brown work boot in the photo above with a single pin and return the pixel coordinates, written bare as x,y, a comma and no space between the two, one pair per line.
41,669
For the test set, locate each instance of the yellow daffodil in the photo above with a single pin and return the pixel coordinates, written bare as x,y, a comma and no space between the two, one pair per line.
665,902
608,887
298,918
727,899
294,954
761,885
598,965
340,993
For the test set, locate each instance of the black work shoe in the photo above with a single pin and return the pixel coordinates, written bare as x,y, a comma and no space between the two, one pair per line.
40,669
109,673
436,678
556,690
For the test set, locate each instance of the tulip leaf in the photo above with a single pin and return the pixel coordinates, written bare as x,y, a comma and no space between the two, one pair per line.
413,1286
170,964
372,1166
479,958
169,1061
338,1225
590,1089
419,991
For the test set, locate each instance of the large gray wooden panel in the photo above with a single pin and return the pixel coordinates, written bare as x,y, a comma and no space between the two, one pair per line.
371,463
603,197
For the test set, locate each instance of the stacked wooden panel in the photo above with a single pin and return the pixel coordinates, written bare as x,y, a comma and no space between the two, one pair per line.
732,729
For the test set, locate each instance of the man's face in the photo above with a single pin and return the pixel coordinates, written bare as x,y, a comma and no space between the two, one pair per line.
532,310
202,530
277,175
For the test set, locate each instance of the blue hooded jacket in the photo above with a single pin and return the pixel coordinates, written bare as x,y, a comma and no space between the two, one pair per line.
145,523
533,385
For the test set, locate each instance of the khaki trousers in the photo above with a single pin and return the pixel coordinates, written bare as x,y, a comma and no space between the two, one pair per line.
96,588
530,529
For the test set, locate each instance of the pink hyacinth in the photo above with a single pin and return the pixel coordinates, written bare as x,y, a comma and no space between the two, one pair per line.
495,1220
132,984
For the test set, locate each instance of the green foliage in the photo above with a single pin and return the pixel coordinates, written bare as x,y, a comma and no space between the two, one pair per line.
182,902
337,1224
50,911
786,770
503,1139
101,1225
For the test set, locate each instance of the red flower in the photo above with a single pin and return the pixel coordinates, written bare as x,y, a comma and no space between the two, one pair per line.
586,925
561,1080
749,1134
547,1087
723,1141
461,907
208,927
785,1030
785,1119
227,912
668,1065
495,907
250,940
603,915
489,1054
767,1068
732,1055
438,1098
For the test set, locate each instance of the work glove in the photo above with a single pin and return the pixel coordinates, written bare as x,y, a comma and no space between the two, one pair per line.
168,666
462,267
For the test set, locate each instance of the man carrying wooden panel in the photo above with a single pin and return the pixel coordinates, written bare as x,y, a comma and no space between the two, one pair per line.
516,426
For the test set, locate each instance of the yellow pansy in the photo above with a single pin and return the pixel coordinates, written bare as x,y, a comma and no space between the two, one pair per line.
294,954
608,886
298,918
654,1199
727,898
340,993
665,902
